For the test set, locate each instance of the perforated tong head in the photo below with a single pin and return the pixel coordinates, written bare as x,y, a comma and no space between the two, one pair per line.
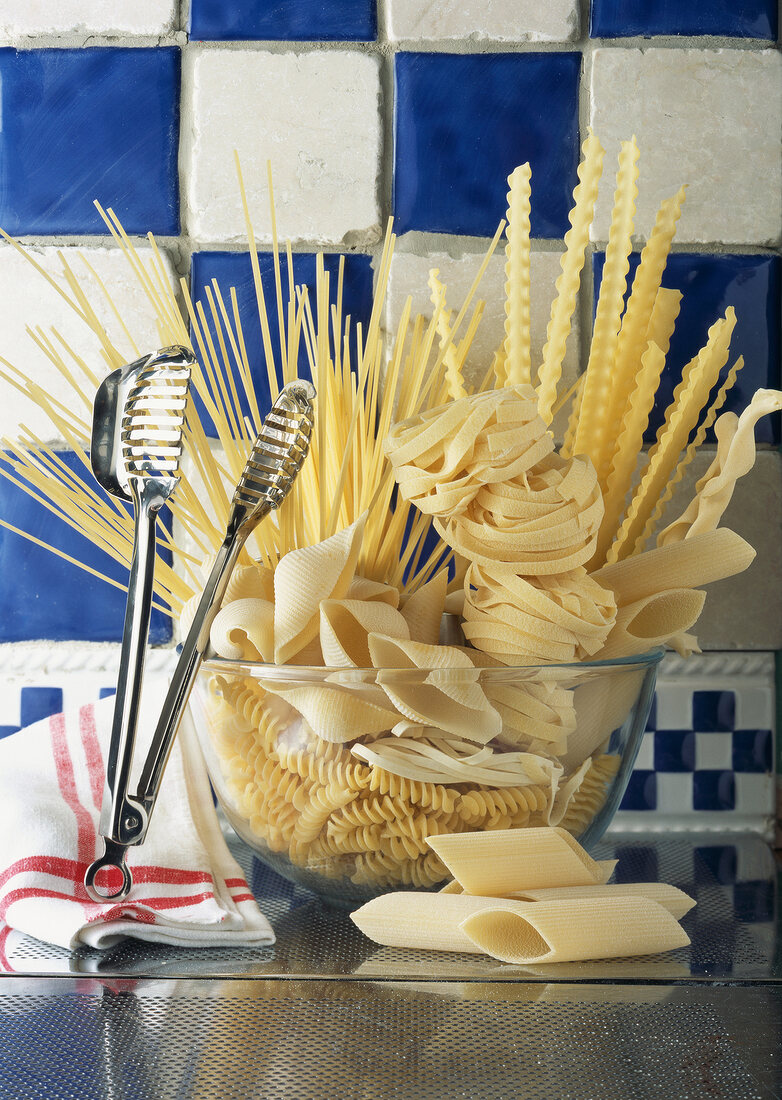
274,462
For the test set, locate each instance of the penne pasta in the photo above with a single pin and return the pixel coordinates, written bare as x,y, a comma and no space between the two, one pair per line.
670,897
501,862
698,560
573,930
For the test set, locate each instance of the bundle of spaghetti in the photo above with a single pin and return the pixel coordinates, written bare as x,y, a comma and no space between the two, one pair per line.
520,619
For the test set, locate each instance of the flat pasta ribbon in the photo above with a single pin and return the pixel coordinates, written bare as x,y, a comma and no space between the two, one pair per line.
538,619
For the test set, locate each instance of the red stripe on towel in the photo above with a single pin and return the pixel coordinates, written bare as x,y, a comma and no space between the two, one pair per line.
67,783
92,754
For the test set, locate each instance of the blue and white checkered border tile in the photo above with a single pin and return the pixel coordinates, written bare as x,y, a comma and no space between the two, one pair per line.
707,757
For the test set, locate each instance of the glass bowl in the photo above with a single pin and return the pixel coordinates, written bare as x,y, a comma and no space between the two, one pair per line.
309,773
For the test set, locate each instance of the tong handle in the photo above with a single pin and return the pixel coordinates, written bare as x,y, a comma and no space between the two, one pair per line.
122,816
187,666
113,858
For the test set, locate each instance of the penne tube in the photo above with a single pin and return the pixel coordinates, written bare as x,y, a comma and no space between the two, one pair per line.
670,897
570,931
650,622
698,560
408,919
501,861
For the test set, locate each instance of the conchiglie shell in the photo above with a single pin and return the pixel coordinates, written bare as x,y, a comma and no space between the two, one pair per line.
250,582
650,622
423,611
310,655
345,624
335,713
362,588
244,630
306,576
455,703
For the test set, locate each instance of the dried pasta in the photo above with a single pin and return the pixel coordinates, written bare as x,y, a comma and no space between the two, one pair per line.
346,624
574,930
498,863
560,930
244,630
306,576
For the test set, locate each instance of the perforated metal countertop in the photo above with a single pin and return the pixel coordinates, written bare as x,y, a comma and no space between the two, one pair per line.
325,1013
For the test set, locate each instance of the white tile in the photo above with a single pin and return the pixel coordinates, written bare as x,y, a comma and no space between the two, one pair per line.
755,706
474,20
26,298
710,119
674,705
713,750
674,793
645,759
409,275
314,116
754,793
143,17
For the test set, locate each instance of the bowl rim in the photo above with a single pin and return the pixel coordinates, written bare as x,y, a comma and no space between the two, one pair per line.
650,659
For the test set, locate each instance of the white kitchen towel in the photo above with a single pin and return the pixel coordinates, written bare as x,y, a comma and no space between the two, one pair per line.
187,889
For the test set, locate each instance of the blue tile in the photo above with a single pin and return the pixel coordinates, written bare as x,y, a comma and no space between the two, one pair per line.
733,18
718,861
39,702
713,790
43,596
6,731
464,122
85,124
293,20
714,711
674,751
641,793
107,692
752,751
233,269
710,283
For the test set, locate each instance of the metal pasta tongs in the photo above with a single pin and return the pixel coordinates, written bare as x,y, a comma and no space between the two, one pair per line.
268,476
138,419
